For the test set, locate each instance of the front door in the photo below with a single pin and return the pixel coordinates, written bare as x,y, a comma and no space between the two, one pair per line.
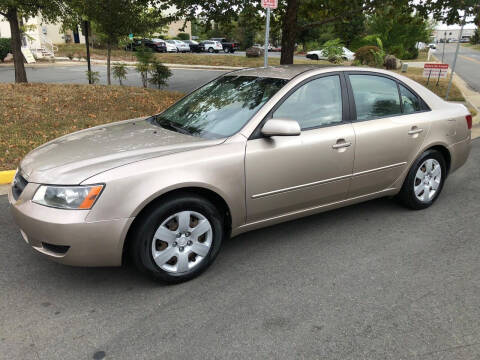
288,174
391,125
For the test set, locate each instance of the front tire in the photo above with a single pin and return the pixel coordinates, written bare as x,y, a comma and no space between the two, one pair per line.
424,181
179,239
210,50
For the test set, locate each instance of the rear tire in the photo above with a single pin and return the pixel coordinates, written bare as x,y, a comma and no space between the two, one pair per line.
424,181
210,50
315,57
168,245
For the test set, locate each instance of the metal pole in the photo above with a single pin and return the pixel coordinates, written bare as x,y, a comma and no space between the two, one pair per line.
267,35
88,52
456,55
444,43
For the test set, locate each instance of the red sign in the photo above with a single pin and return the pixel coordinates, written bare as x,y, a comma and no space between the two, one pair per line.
436,66
272,4
435,70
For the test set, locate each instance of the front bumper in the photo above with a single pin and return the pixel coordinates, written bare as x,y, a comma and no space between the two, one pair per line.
65,236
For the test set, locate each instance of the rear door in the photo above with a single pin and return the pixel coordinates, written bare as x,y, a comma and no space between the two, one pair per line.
390,127
286,174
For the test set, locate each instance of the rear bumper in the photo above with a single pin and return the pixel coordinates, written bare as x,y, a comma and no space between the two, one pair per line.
65,236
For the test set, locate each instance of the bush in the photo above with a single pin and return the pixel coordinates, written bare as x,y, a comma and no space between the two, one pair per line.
365,55
410,54
333,50
120,72
5,48
145,58
159,74
475,39
93,76
391,62
183,36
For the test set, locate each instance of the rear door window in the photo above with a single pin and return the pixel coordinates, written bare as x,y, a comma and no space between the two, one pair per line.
410,102
375,96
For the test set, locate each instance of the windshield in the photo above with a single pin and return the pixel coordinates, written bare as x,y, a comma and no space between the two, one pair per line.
220,108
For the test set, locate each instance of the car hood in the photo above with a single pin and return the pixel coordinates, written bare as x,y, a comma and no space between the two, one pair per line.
73,158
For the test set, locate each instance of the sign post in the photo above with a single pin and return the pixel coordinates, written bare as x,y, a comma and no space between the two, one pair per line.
268,4
456,55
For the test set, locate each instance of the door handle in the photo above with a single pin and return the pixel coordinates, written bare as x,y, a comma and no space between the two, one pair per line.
415,130
341,143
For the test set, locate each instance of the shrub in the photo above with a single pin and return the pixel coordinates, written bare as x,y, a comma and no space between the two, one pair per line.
333,50
183,36
120,72
391,62
159,74
5,48
365,55
410,54
145,58
93,76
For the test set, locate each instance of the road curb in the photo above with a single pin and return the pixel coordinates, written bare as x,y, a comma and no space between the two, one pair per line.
6,177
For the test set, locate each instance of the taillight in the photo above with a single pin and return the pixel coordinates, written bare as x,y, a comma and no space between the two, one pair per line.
469,121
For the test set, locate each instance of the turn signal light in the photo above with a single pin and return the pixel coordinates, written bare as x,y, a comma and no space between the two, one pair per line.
469,121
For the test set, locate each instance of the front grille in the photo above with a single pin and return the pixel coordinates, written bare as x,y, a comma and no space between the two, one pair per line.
19,184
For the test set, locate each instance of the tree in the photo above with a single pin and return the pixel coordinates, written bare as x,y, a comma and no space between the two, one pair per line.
451,12
115,19
399,29
295,15
14,11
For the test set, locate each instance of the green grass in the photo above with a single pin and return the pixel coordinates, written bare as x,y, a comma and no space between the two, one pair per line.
78,50
472,46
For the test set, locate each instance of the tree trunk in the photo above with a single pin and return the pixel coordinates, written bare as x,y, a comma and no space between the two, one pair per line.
289,32
109,54
12,17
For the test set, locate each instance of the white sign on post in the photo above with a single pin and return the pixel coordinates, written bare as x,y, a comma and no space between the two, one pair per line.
435,70
268,4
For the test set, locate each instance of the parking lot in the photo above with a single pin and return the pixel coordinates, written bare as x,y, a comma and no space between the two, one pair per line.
371,281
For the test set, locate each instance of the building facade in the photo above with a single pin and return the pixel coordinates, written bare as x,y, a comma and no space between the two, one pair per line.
42,37
451,33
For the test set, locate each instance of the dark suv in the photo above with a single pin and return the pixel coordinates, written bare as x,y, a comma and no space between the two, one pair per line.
157,45
228,46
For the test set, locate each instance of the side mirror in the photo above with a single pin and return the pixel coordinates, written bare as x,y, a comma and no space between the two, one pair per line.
281,127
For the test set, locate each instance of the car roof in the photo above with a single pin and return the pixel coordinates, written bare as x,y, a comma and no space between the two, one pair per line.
287,72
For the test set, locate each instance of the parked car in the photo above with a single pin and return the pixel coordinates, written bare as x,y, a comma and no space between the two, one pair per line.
180,45
255,51
432,46
227,45
171,47
252,148
157,45
320,55
193,45
211,46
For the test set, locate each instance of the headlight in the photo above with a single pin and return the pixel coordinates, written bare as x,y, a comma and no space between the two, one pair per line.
68,197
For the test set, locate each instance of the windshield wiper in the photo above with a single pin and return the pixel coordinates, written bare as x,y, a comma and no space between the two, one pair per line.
169,126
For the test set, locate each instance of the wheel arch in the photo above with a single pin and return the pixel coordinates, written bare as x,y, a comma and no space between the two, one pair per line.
209,194
445,153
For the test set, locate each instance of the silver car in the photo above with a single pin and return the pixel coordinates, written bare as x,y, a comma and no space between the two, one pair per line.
250,149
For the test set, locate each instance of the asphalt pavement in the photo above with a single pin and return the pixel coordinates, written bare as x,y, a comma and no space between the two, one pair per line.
468,62
183,80
370,281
